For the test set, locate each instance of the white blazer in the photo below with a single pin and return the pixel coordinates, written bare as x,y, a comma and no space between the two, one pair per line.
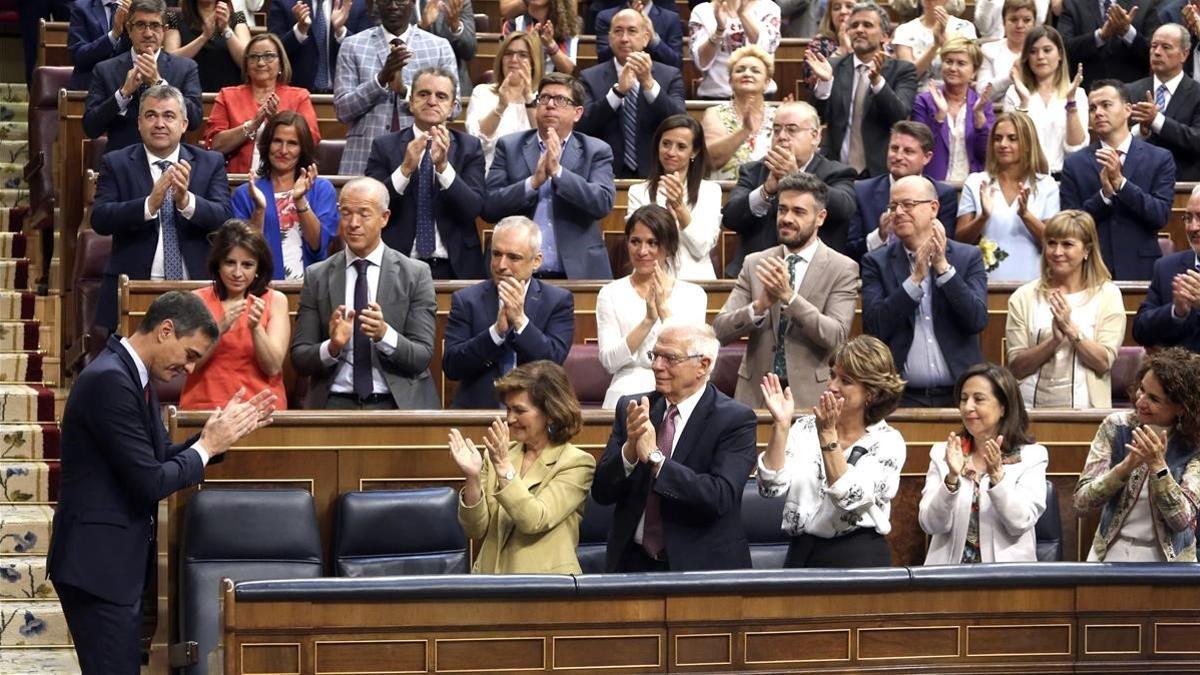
1007,512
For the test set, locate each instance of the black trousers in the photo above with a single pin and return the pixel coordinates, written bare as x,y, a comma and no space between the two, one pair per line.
860,548
928,397
108,636
636,559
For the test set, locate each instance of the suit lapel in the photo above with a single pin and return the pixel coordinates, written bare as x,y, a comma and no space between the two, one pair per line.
387,271
539,473
337,280
812,272
532,152
900,268
691,433
572,152
533,301
142,169
149,410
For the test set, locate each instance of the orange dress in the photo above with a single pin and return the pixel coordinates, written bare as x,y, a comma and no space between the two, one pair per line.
235,105
232,364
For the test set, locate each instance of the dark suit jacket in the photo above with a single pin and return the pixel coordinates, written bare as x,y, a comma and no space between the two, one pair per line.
592,17
583,196
700,486
757,234
893,103
471,357
117,464
119,209
455,208
303,56
101,114
1181,125
1128,228
602,122
667,26
88,41
1154,325
872,196
959,306
1126,62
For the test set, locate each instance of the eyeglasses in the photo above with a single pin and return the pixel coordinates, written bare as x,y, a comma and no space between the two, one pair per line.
1189,217
146,25
520,56
789,129
553,101
907,204
265,57
671,359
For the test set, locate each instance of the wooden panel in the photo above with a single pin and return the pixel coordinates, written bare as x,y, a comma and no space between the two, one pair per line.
908,642
621,650
703,649
1177,638
1020,640
778,647
271,658
1112,638
503,653
52,44
370,656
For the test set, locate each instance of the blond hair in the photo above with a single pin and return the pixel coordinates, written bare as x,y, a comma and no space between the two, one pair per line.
1075,224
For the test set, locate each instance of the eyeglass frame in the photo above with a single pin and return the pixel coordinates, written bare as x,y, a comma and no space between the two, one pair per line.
1190,217
671,360
908,205
262,57
558,100
140,26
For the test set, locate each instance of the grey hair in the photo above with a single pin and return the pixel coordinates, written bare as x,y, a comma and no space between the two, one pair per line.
1185,37
147,7
370,184
927,188
885,22
162,92
532,231
440,71
806,111
699,338
1196,191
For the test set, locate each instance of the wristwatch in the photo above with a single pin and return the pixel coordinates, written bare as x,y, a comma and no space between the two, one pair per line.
833,445
656,457
511,473
1162,473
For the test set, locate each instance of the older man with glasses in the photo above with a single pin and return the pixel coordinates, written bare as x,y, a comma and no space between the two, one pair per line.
1168,316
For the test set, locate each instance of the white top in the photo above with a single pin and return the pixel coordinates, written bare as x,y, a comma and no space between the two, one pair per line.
484,100
696,241
861,498
1005,227
702,24
1062,381
996,68
1050,120
958,166
571,48
619,309
915,35
989,17
291,242
248,8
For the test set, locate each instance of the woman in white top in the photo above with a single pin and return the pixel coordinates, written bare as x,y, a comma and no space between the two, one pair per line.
739,131
1043,88
499,108
556,23
920,40
1008,201
991,16
633,310
999,56
719,28
1064,329
677,182
840,466
986,485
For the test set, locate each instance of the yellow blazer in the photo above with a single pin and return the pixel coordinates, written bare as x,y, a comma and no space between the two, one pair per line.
532,525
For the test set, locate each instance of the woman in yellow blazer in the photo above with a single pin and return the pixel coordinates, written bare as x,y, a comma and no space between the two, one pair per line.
526,502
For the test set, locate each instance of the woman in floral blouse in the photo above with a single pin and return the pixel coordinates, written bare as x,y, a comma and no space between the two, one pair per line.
739,131
1143,471
840,466
986,485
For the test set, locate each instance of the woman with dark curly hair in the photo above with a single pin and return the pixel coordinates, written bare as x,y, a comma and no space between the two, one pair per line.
1143,471
556,23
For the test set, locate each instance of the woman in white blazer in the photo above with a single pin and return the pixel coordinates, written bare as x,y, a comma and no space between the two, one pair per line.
986,485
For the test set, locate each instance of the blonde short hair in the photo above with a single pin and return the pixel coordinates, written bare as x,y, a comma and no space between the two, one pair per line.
758,53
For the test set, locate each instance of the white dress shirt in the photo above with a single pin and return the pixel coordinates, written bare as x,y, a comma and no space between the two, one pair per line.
1159,120
324,7
343,381
444,179
144,380
157,269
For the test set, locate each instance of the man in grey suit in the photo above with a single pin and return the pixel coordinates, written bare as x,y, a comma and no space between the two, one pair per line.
365,329
560,179
453,21
795,301
374,70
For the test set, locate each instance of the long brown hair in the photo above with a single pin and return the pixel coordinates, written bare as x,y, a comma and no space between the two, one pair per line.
699,165
1031,159
233,233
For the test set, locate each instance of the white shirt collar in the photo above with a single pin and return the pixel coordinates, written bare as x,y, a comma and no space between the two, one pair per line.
133,53
1172,84
806,253
172,158
374,257
143,373
388,37
687,405
1123,148
646,8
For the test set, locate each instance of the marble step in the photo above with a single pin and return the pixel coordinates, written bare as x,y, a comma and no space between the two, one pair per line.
25,529
59,661
32,481
33,623
12,198
29,441
24,578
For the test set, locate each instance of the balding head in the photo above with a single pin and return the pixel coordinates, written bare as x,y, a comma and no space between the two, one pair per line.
1169,49
629,33
914,207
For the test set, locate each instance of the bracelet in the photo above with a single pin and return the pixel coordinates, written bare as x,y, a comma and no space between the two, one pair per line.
247,129
951,486
303,210
715,38
1072,105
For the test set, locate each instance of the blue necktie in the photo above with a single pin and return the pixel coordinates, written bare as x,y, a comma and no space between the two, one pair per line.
426,193
780,366
364,383
1160,97
543,215
509,361
629,127
172,260
320,32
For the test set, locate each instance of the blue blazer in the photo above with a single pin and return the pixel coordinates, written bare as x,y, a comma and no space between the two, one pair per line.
119,211
667,26
117,464
303,56
1129,227
1154,326
959,306
583,196
700,486
471,357
88,41
601,121
872,196
322,199
101,114
455,208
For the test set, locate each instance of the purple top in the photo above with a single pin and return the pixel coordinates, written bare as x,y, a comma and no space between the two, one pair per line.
924,111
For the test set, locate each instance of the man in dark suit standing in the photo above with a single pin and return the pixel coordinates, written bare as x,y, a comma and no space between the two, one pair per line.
752,207
863,94
1126,184
675,465
508,320
1113,45
560,179
312,32
629,96
159,200
118,463
665,43
1170,314
117,84
364,333
434,175
1166,105
926,297
96,33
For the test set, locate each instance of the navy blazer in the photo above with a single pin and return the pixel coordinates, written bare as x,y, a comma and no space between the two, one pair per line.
1180,133
700,486
303,56
959,305
1078,23
470,356
872,196
583,196
1128,228
101,114
88,41
760,233
667,26
893,103
120,207
455,208
1154,325
601,121
117,464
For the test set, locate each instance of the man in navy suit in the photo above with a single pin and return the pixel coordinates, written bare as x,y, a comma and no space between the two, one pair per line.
926,297
560,179
435,182
1113,46
675,465
629,96
508,320
665,42
1170,314
1126,184
312,32
117,84
118,463
1166,105
591,20
159,200
909,150
96,33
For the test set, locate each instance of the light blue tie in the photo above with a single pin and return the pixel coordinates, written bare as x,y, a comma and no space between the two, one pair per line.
1160,97
543,215
629,126
320,32
172,260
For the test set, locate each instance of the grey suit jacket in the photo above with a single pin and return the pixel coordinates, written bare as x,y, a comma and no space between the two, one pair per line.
819,320
406,295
